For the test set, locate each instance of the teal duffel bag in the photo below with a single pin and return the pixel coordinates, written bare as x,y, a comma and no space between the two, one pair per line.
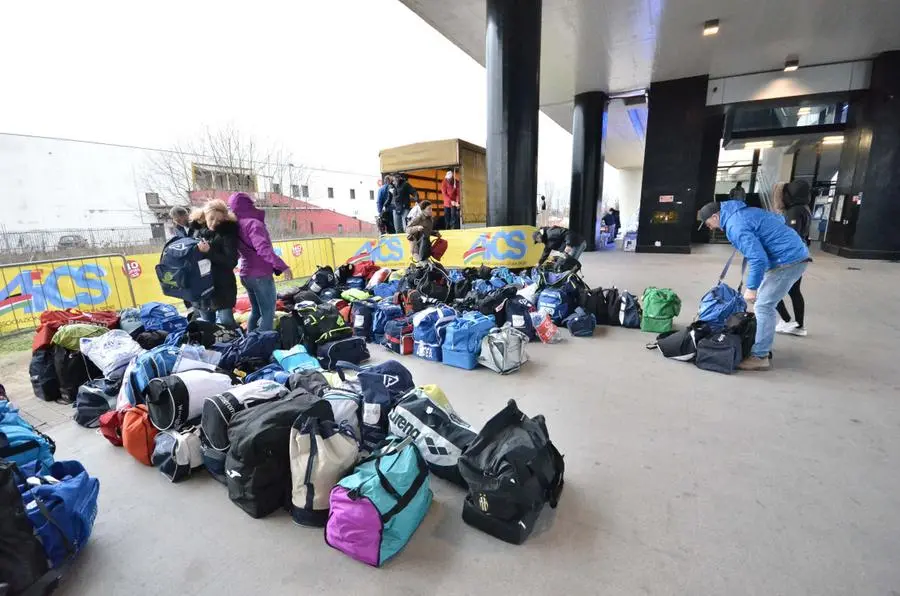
374,511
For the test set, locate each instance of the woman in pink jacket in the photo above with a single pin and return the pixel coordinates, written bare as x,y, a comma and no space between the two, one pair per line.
258,261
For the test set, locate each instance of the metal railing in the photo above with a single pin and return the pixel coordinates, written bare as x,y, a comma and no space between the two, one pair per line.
27,289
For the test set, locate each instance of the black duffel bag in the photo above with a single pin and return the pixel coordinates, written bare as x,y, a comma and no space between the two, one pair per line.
94,399
720,352
512,469
743,324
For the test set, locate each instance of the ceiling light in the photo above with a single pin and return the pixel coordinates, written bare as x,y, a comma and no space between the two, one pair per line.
804,111
759,145
791,64
833,140
711,27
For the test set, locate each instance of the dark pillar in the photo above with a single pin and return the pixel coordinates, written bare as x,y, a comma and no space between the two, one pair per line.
588,143
713,127
754,171
865,215
672,156
512,59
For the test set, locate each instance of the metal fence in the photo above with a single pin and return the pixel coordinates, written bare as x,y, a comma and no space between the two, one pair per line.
27,289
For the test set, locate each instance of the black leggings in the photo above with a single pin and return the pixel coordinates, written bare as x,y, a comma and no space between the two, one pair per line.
797,301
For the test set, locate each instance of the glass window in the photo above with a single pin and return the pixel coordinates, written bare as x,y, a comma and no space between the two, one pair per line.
352,193
330,192
304,190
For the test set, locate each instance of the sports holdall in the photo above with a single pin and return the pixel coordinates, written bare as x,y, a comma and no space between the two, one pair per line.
94,399
518,314
439,433
350,349
629,311
270,372
384,311
61,504
381,385
258,467
111,352
361,315
322,278
175,399
554,302
183,271
743,324
111,426
43,375
722,300
255,346
398,336
157,316
321,453
503,350
177,453
72,371
375,510
22,558
296,359
682,344
158,362
611,298
379,277
463,337
594,302
512,469
660,306
21,443
428,325
138,434
720,352
581,323
219,410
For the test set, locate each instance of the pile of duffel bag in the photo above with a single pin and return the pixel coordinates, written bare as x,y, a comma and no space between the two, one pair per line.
47,507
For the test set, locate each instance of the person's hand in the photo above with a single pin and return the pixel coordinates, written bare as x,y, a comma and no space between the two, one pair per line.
750,295
203,246
568,250
438,234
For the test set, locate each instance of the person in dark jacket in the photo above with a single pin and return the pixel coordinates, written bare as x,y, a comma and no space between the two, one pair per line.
258,261
180,221
776,257
797,215
559,239
219,242
383,206
403,194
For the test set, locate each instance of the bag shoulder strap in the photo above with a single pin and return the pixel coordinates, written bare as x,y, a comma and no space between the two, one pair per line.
727,265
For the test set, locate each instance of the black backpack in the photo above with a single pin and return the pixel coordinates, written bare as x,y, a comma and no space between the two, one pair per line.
361,314
258,467
594,302
512,469
43,375
743,324
72,371
22,558
518,314
611,297
322,324
495,303
322,279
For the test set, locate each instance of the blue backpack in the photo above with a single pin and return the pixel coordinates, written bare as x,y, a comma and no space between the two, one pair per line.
257,345
152,364
20,442
157,316
381,386
384,312
183,271
465,333
374,511
518,314
362,312
581,323
296,359
555,302
722,301
61,512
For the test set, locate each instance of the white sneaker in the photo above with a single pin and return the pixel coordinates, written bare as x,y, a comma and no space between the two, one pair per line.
785,327
798,331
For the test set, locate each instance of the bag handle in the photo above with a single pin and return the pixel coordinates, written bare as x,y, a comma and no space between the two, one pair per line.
727,265
508,416
404,499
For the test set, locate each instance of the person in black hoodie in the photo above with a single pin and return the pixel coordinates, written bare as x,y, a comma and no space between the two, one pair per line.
797,215
559,239
219,242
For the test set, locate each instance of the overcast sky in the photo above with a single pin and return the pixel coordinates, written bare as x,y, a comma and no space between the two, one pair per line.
332,81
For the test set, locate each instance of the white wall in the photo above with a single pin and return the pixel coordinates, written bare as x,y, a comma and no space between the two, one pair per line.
622,189
319,181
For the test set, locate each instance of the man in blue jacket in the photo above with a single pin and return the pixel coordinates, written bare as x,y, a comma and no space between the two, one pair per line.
776,258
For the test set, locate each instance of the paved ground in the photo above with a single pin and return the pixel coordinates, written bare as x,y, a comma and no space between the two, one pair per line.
678,481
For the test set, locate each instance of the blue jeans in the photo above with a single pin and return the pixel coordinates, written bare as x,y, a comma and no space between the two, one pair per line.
261,291
400,221
223,316
775,286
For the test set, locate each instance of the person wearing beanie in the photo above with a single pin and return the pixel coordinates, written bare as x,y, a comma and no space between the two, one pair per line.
794,204
776,256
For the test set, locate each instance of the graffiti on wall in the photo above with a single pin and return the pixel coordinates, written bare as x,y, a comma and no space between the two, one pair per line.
65,286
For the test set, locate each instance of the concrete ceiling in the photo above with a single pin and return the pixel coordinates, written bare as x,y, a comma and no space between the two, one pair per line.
622,45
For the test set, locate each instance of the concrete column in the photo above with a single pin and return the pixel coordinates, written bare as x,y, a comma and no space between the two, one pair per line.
512,59
588,149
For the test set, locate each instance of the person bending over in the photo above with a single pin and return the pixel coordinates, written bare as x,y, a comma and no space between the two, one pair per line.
559,239
419,233
777,258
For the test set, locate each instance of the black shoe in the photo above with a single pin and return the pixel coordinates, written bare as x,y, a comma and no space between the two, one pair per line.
66,401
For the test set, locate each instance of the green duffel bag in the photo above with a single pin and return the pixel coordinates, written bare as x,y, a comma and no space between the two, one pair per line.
660,306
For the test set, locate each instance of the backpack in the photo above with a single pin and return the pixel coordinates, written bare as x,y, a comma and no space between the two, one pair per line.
296,359
138,433
22,558
682,344
386,289
21,443
375,510
156,316
256,345
581,323
512,469
743,324
322,279
518,315
503,350
629,311
218,411
356,284
177,453
361,314
381,385
611,297
398,336
258,467
350,349
722,301
111,426
428,324
313,381
43,375
72,371
384,312
183,271
158,362
322,325
462,339
720,352
151,339
94,399
660,306
494,303
555,302
438,432
321,453
62,506
174,400
110,352
209,334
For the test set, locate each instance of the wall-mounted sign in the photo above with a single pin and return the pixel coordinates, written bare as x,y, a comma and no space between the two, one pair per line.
666,198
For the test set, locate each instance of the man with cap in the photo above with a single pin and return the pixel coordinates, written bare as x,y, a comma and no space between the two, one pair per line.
560,239
776,258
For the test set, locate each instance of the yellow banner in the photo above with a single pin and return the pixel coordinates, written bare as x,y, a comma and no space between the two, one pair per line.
108,283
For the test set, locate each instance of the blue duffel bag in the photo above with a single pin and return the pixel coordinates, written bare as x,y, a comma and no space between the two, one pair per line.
722,300
183,271
20,442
